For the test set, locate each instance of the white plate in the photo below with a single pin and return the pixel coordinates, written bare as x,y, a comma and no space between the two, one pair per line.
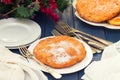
77,67
104,24
14,32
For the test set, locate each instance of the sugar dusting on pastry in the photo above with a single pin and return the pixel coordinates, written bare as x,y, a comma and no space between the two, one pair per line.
60,51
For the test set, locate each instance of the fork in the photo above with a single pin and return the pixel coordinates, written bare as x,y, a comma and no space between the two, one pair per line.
64,27
27,54
56,33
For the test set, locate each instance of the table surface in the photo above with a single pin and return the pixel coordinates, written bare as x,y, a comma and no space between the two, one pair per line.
47,24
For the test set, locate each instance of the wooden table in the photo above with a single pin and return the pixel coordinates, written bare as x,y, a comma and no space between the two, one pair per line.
47,24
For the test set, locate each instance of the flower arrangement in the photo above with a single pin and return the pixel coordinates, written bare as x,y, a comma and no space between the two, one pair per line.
27,8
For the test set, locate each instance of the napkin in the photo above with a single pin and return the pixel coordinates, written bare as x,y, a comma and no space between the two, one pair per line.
11,72
15,67
108,68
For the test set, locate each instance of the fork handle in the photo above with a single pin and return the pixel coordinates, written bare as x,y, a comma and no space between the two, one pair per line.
93,37
55,74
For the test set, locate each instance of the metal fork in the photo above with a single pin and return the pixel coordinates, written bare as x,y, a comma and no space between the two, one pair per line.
56,33
63,27
92,40
27,54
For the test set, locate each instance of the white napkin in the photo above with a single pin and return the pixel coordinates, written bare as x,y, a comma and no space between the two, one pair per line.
14,66
108,68
11,72
111,50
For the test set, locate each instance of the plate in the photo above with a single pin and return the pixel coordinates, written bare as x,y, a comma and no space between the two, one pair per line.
104,24
14,32
77,67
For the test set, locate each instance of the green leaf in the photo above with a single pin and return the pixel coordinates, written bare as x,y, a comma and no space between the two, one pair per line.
23,12
27,8
62,4
36,7
27,12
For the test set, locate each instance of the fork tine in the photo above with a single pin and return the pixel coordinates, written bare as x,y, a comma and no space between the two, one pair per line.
23,50
63,27
67,27
60,28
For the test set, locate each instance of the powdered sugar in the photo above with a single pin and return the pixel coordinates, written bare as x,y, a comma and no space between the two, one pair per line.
59,51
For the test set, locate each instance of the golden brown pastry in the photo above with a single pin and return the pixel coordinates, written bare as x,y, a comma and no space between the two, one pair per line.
115,21
60,51
98,10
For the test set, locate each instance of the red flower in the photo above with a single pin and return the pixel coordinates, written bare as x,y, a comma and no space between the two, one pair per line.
6,1
49,10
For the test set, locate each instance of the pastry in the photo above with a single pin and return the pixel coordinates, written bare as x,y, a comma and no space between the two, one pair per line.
98,10
115,21
59,51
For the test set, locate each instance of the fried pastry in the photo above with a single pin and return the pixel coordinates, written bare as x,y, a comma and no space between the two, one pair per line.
115,21
59,51
98,10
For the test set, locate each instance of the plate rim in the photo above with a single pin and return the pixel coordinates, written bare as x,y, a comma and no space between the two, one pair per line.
18,21
62,71
105,25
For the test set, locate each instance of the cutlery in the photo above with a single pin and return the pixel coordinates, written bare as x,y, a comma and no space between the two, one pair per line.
93,43
93,37
91,40
27,54
65,26
65,30
96,47
56,33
